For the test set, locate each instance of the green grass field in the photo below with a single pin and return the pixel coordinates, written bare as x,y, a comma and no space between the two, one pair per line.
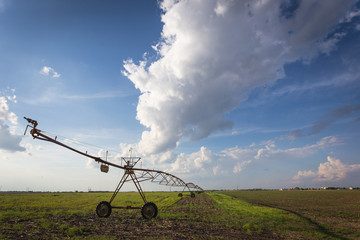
334,212
210,215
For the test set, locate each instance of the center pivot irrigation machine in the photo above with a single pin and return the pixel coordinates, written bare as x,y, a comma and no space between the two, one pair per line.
149,209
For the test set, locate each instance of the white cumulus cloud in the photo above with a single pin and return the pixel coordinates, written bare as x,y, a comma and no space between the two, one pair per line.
193,163
46,71
332,170
355,12
8,140
5,114
235,159
213,53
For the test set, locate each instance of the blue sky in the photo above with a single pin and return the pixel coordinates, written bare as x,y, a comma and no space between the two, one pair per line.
225,94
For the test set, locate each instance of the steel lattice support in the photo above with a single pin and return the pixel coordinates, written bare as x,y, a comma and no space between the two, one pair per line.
119,186
137,175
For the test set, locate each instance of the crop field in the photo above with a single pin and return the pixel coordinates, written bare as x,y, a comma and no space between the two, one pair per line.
335,213
210,215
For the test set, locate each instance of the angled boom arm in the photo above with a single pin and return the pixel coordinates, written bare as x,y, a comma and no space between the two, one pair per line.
160,177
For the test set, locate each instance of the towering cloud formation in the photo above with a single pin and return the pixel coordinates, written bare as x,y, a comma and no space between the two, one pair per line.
332,170
212,53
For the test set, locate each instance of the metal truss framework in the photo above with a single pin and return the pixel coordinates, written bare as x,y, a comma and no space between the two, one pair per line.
136,175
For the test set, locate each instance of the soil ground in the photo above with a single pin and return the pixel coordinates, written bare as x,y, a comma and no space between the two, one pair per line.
189,218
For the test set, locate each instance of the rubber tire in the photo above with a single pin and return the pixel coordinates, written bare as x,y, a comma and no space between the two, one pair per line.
180,195
103,209
149,210
192,195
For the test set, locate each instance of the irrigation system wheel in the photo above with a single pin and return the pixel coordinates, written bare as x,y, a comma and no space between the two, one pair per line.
192,194
103,209
180,195
149,210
